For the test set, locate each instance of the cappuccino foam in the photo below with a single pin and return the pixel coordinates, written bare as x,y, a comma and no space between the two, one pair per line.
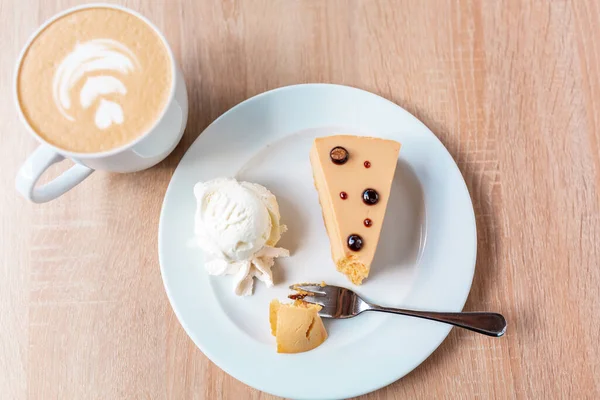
94,80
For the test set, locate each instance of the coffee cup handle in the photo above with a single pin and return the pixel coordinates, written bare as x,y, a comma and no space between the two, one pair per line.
37,163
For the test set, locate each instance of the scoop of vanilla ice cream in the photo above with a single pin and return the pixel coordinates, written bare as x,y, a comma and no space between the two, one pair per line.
237,224
232,217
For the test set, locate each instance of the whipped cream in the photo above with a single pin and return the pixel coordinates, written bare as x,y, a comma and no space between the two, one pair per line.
237,224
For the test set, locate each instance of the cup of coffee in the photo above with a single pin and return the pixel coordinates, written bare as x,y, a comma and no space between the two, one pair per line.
99,85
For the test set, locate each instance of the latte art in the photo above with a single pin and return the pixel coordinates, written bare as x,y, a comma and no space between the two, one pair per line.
94,80
104,56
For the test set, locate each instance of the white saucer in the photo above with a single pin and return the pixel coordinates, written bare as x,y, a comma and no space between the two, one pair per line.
425,260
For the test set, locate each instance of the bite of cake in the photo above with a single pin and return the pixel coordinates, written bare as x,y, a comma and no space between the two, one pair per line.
297,326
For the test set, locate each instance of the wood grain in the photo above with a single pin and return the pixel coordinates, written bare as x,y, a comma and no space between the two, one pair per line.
512,88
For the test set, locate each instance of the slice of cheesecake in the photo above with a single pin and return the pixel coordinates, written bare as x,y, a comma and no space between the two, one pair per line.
353,175
297,327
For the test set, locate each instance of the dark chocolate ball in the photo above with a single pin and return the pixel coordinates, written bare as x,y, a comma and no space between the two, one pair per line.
338,155
355,242
370,196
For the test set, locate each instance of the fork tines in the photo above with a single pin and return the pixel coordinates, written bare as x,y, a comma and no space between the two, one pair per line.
310,288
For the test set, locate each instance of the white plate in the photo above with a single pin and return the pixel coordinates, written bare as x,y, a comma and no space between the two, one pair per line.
425,260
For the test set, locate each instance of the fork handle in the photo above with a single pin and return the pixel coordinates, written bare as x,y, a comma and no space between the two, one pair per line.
491,324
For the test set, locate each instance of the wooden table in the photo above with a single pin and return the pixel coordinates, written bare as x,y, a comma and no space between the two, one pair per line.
512,88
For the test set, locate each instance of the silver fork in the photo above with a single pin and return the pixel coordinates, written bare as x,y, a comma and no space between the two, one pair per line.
339,302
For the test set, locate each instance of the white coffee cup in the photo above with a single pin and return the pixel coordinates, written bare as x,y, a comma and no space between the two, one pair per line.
145,151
